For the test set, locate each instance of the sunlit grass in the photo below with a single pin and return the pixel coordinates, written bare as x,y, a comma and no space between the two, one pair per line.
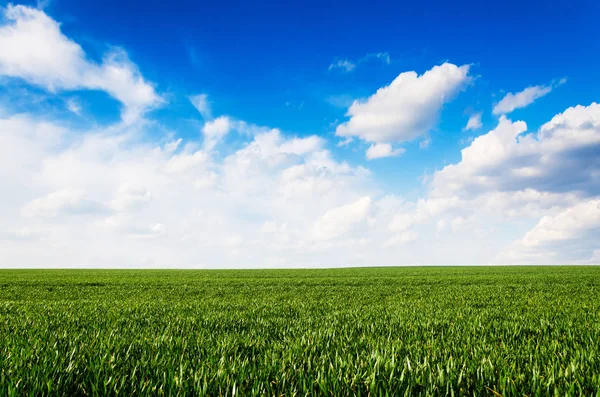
393,331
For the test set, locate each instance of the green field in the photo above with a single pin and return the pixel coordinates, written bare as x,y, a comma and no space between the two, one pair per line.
509,331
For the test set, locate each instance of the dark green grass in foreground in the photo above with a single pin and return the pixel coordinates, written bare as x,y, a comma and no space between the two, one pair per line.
395,331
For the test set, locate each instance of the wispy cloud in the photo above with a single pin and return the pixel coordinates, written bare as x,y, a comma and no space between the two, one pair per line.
340,101
474,122
202,105
524,98
43,4
343,64
347,65
382,56
74,106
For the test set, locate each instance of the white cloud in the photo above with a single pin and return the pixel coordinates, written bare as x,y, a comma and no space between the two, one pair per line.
349,66
33,48
66,201
342,101
24,234
345,142
340,220
131,195
552,174
401,239
407,108
215,130
202,105
402,222
571,236
73,106
343,64
474,122
186,161
130,199
382,56
560,157
380,150
42,4
128,226
521,99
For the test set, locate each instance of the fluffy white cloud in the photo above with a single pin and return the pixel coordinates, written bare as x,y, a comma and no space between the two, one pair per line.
215,130
401,239
64,201
521,99
132,200
132,194
571,236
126,225
561,157
552,174
402,222
339,221
474,122
407,108
129,197
380,150
33,48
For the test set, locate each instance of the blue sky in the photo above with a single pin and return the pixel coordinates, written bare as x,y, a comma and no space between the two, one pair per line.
298,67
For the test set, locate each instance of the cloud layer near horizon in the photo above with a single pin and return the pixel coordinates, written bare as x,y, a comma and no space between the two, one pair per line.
138,195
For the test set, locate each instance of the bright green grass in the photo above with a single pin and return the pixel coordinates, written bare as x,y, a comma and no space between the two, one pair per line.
391,331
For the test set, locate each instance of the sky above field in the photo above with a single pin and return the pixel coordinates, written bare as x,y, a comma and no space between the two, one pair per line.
298,134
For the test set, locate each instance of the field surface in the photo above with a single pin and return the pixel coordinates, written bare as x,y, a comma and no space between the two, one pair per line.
510,331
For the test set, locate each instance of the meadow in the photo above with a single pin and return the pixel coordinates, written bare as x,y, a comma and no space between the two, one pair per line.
473,331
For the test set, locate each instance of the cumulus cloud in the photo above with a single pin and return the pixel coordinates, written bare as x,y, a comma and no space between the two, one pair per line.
66,201
33,48
125,224
401,239
215,130
553,173
405,109
402,222
561,157
380,150
569,237
523,98
132,194
340,220
474,122
132,199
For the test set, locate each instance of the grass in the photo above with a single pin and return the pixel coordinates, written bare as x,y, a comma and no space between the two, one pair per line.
510,331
